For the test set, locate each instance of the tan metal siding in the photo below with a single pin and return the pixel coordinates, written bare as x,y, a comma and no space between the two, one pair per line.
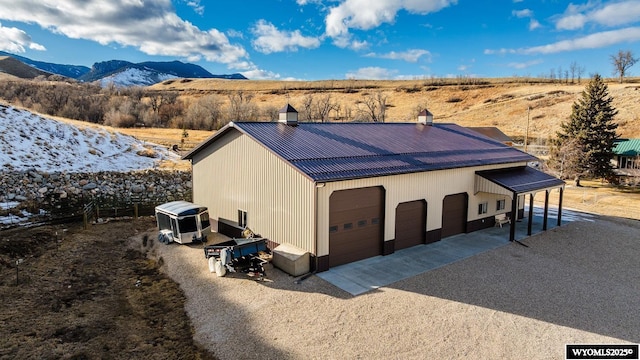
431,186
238,173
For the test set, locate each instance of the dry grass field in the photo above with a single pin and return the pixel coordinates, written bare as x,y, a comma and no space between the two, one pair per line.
506,103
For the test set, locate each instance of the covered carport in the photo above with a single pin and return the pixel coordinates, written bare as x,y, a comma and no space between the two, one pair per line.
518,181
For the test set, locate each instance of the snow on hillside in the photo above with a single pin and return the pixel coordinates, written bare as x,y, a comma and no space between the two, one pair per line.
29,141
135,77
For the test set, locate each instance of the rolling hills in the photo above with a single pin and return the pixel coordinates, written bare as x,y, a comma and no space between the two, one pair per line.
513,105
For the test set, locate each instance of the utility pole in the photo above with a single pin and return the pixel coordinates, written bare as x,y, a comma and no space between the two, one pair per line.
526,135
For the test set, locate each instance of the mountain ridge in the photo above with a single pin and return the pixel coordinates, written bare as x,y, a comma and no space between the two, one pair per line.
148,72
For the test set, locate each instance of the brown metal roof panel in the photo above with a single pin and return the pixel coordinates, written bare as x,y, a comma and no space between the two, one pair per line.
522,179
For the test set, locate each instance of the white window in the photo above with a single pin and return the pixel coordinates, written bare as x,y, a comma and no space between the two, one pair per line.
242,218
500,204
483,207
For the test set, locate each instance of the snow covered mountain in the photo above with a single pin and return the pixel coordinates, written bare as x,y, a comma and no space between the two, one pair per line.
29,141
123,73
135,77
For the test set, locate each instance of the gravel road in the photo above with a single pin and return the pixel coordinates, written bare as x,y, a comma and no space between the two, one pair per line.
574,284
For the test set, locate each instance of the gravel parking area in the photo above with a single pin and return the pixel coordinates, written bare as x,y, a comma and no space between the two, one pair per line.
573,284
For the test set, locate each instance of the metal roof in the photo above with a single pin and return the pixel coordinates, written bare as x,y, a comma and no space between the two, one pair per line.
340,151
627,147
492,132
521,179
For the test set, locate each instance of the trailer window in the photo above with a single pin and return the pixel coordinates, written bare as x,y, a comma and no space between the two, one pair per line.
204,220
164,222
188,224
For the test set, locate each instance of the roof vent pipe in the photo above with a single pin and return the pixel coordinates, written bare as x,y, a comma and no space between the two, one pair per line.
288,115
425,117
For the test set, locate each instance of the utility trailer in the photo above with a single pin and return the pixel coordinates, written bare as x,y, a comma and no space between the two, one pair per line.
238,255
182,222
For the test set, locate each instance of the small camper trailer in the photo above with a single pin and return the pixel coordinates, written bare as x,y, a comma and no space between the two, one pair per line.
182,222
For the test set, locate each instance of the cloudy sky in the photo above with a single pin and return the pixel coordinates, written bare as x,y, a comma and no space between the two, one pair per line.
330,39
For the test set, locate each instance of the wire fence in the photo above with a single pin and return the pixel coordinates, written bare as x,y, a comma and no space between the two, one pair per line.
85,210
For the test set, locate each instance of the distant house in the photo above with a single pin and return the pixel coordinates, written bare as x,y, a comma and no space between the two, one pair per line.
349,191
627,157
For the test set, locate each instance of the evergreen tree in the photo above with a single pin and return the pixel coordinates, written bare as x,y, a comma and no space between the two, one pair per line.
588,137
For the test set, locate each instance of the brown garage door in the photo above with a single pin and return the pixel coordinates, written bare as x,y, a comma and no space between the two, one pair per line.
355,224
411,220
454,214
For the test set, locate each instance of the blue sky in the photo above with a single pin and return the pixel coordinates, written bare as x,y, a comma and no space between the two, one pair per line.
330,39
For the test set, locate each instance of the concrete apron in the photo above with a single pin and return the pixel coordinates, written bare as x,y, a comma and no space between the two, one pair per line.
361,276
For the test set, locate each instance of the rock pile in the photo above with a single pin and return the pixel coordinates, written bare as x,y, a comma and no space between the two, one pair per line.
74,189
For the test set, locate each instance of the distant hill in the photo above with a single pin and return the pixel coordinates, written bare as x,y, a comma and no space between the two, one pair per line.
71,71
124,73
19,69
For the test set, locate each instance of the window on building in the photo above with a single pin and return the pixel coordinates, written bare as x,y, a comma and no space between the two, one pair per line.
482,208
500,204
242,218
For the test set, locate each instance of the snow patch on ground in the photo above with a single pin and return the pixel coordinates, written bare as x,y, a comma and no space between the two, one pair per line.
29,141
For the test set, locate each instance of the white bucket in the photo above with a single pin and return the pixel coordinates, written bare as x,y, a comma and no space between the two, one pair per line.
220,269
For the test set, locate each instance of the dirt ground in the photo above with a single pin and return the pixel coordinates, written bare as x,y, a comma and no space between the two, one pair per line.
113,292
88,294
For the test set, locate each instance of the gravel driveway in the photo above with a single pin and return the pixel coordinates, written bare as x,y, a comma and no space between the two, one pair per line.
575,284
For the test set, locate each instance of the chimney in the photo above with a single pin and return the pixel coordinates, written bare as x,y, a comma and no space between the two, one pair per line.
288,115
425,117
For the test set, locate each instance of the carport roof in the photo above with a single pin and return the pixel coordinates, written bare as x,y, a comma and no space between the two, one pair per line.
341,151
521,180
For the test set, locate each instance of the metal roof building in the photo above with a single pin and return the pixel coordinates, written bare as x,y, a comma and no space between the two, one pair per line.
348,191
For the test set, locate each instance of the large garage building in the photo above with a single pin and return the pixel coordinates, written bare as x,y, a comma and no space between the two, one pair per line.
349,191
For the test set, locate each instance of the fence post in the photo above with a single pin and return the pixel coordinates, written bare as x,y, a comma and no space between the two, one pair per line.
135,211
85,221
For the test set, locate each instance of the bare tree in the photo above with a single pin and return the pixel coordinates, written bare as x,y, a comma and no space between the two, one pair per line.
307,107
622,62
323,107
373,107
241,108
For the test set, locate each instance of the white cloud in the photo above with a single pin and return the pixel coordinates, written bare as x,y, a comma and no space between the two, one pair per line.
15,41
259,74
571,22
524,65
372,73
367,14
610,14
593,41
534,24
524,13
195,5
269,39
412,55
151,26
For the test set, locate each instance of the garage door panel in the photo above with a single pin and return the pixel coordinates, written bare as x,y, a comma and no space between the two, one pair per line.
355,225
454,214
410,224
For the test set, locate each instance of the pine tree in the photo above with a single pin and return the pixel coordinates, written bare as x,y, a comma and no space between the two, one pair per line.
590,133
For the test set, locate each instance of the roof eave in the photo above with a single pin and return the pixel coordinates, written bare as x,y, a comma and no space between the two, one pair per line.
208,141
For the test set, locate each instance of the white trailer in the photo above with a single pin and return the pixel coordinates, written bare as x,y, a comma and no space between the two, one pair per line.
182,222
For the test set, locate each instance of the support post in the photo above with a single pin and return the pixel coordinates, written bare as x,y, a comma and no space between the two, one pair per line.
546,210
560,206
514,214
530,222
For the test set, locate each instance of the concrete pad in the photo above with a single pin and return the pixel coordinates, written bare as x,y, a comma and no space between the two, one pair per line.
365,275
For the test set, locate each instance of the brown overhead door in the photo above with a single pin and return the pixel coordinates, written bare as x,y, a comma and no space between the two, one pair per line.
355,224
454,215
411,220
